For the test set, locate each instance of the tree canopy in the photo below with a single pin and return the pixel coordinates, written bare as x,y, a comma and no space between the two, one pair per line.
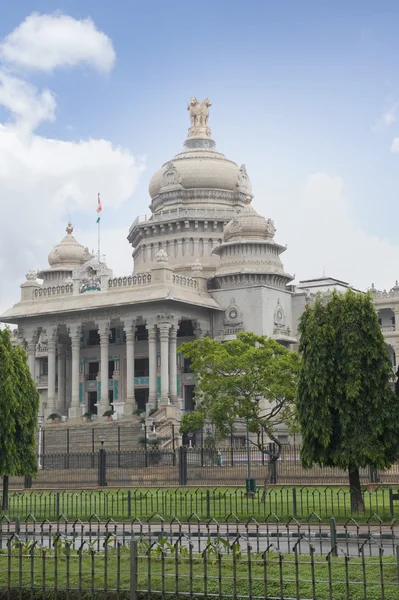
347,411
252,380
19,405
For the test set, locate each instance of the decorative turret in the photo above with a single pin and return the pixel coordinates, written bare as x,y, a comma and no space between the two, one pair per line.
249,248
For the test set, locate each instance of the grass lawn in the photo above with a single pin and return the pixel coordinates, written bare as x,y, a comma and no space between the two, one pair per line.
93,575
220,503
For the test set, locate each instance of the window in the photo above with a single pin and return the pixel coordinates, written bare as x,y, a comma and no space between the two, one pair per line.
141,333
111,368
44,366
141,367
93,371
186,329
187,365
93,339
112,335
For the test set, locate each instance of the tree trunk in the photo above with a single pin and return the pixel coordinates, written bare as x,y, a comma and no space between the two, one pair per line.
357,503
270,468
4,505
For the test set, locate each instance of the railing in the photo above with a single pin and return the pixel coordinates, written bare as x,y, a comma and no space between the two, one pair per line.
216,560
181,213
185,281
42,380
56,290
140,279
387,327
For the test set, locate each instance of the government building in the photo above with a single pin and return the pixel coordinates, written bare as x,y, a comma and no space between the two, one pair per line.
205,264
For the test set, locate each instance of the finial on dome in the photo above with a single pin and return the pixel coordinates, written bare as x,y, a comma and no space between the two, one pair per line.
69,228
199,114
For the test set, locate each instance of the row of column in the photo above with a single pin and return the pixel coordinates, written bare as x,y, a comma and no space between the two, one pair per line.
168,346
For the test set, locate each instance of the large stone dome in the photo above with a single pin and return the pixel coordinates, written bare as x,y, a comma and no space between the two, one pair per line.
199,167
68,254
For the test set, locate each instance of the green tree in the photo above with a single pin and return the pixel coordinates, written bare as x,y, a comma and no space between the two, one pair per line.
19,404
347,411
251,380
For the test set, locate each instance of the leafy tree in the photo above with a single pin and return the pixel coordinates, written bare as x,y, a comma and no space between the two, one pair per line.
251,380
347,412
19,403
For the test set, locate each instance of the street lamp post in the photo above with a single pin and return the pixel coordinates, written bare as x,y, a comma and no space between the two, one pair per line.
248,455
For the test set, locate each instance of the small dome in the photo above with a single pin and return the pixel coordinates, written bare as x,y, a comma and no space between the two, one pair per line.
248,225
68,254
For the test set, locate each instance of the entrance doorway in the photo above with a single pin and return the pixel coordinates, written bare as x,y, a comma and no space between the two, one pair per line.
141,396
92,401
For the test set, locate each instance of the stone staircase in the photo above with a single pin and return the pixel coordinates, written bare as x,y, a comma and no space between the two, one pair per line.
86,437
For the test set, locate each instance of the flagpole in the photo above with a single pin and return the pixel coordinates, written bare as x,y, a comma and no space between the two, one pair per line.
98,239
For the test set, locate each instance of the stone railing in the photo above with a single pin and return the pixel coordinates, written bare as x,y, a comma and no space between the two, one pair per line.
42,380
186,281
56,290
183,213
120,282
387,327
41,349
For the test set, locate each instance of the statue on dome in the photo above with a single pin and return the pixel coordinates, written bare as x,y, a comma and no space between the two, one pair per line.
199,114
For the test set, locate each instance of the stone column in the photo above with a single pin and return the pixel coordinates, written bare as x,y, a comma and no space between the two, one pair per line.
51,347
130,331
61,370
164,338
74,411
172,364
152,364
31,348
103,402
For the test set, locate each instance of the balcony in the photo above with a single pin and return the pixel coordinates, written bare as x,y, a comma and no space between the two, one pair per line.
91,376
42,381
386,328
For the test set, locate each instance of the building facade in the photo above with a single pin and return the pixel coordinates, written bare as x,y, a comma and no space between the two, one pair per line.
205,264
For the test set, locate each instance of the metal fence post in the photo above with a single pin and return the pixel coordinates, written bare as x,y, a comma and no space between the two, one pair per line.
333,536
133,570
129,503
294,505
208,504
102,475
182,465
57,505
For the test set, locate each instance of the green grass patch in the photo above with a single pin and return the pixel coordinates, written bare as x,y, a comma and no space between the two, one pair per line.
100,575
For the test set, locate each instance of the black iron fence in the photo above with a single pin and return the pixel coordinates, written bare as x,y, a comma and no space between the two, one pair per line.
172,560
215,503
154,466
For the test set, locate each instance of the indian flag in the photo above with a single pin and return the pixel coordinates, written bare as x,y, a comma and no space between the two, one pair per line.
99,208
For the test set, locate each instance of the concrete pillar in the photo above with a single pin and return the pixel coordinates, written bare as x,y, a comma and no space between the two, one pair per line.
172,364
152,364
130,331
74,411
61,371
51,347
164,339
103,402
31,348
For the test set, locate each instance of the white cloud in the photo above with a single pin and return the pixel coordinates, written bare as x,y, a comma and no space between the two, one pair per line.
45,42
43,180
28,106
388,118
322,234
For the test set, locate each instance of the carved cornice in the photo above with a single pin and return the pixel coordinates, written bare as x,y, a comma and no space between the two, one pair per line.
193,195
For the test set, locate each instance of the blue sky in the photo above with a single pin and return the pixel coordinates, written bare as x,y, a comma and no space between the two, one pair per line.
304,93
